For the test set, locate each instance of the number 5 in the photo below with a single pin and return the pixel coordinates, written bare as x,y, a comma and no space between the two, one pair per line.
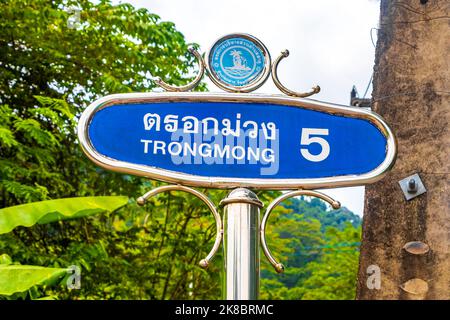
306,139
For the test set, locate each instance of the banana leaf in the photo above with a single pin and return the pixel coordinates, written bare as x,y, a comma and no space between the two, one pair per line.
48,211
19,278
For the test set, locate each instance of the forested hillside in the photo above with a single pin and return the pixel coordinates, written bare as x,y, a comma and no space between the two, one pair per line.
319,248
316,209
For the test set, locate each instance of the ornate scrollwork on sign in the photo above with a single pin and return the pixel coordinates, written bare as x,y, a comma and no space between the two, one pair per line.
238,62
191,85
204,263
276,81
277,265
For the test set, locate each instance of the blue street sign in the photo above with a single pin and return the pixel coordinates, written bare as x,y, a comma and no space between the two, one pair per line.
268,142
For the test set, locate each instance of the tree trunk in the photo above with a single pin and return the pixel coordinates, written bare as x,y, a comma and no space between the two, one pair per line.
411,78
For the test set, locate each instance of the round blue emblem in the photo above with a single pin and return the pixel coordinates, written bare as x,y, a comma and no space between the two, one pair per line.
238,61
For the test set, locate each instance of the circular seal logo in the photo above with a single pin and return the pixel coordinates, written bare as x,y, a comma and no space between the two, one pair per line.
238,62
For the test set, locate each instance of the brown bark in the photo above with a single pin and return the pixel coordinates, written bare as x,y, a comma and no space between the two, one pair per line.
411,91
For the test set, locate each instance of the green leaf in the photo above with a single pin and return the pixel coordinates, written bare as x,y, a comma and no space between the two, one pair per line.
7,137
33,128
55,104
55,210
18,278
5,259
25,192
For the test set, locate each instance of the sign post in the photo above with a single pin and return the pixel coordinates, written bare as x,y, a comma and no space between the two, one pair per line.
237,140
241,245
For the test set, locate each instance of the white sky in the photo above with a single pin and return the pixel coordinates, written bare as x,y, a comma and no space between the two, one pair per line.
329,43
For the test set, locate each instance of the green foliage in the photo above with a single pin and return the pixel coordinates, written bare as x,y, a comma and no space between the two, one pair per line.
55,210
49,73
18,278
167,241
5,259
333,276
110,49
50,70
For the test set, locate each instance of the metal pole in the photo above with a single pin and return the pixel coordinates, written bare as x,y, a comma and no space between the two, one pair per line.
241,245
